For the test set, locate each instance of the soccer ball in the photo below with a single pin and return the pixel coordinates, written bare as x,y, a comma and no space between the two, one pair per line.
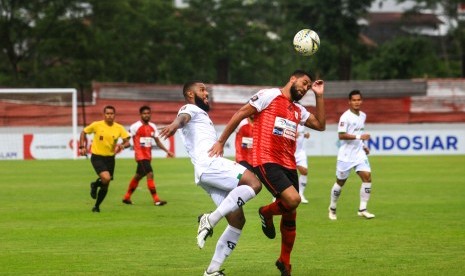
306,42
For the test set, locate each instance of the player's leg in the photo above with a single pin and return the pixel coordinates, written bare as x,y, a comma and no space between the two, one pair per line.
239,185
102,192
147,170
104,166
302,182
342,173
229,176
288,234
277,181
301,160
364,171
227,241
133,184
283,183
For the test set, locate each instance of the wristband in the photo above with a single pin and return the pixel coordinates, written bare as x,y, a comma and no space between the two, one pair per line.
82,147
358,137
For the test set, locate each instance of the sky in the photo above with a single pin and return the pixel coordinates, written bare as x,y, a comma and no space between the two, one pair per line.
390,6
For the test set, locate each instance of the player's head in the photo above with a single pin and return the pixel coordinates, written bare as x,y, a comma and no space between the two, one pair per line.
145,113
195,92
355,100
109,114
301,82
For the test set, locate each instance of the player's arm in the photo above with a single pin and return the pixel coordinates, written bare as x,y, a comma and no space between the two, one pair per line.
318,121
171,129
244,112
347,136
124,144
161,146
83,143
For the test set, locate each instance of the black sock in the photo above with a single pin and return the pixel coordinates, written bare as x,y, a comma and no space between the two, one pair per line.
102,193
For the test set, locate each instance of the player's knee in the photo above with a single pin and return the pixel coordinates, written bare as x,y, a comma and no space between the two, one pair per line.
251,180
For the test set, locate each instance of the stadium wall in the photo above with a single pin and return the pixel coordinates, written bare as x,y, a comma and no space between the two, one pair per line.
386,139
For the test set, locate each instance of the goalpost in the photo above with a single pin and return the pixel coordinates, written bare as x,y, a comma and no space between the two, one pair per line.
40,108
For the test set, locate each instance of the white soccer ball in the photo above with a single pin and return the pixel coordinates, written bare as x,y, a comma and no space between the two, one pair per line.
306,42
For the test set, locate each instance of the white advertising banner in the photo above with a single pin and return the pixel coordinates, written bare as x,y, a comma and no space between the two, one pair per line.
11,146
396,139
386,139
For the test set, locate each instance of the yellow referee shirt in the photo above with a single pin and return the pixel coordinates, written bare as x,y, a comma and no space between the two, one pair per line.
105,137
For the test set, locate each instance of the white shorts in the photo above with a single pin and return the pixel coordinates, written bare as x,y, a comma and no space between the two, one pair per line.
221,177
343,168
301,159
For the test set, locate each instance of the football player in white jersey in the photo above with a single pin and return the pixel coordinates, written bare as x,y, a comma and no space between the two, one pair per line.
229,184
352,155
301,160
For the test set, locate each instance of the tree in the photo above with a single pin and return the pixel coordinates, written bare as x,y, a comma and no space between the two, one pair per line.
24,26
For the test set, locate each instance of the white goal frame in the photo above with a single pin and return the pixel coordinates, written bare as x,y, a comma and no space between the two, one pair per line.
73,91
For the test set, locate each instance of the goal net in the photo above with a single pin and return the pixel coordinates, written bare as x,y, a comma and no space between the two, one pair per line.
38,123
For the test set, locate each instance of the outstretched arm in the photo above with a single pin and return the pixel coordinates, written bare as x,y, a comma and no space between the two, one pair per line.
318,121
244,112
171,129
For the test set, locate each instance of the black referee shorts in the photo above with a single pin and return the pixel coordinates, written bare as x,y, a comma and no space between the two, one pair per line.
103,163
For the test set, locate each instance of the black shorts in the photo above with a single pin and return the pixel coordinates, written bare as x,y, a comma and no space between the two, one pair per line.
103,163
246,164
143,167
277,178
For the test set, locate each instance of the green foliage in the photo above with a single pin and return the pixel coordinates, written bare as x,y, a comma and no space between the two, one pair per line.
51,43
47,227
402,58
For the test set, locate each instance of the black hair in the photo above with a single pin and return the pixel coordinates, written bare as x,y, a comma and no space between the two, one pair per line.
143,108
188,85
299,73
109,107
355,92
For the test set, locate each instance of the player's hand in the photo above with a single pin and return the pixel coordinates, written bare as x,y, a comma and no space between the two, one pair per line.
119,148
167,131
307,135
367,150
82,151
365,136
216,150
318,87
170,154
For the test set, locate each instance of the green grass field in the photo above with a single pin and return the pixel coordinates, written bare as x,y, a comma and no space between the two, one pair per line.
47,227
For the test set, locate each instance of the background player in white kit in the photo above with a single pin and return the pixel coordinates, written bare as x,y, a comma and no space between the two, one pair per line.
301,160
352,154
229,184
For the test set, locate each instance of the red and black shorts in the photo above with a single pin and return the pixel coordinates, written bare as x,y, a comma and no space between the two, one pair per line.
143,167
277,178
103,163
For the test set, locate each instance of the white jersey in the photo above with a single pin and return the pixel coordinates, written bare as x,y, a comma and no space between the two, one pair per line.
300,153
300,139
351,150
198,136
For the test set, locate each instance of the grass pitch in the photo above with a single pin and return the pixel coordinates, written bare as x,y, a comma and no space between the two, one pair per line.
47,227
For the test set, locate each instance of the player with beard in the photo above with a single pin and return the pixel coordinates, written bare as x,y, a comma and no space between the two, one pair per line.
276,116
229,184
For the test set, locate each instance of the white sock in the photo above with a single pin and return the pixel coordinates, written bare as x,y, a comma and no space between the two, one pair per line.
224,247
365,192
302,183
235,199
335,193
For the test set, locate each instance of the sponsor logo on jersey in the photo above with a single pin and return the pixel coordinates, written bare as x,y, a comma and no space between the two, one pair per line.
278,131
